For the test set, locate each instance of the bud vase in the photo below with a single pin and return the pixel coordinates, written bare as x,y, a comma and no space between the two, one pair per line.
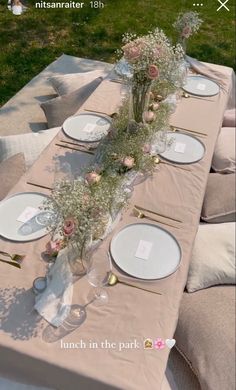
78,259
138,105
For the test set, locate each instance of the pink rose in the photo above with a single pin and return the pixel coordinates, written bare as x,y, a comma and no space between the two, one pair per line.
148,116
146,148
53,247
133,50
159,344
92,177
153,72
69,227
186,32
128,162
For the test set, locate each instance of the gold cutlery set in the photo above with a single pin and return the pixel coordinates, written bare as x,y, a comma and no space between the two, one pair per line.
187,95
74,146
113,280
140,212
159,161
86,146
112,115
14,259
193,132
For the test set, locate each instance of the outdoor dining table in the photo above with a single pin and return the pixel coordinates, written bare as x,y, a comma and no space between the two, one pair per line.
107,350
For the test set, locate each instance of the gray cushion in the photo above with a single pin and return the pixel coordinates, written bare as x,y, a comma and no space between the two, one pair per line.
67,83
219,201
59,109
11,171
229,118
224,155
205,336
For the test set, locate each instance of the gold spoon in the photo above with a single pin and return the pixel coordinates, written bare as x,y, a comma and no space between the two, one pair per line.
181,129
140,215
113,280
154,212
186,95
159,161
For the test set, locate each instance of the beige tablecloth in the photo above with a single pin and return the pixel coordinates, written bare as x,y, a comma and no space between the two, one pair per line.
131,315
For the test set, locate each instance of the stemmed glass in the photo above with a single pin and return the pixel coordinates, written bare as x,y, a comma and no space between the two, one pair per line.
98,274
159,144
44,218
38,222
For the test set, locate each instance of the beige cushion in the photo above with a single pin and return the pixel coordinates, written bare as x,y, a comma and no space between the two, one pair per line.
68,83
224,154
205,336
219,201
59,109
229,118
31,145
11,171
213,256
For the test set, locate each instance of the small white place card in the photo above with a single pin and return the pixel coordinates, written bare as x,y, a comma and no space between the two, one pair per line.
144,249
180,147
27,214
89,128
201,87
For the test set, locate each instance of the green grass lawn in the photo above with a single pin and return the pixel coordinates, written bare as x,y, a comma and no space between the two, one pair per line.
31,41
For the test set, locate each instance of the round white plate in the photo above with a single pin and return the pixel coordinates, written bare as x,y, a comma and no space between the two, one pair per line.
163,257
87,127
186,149
201,86
11,208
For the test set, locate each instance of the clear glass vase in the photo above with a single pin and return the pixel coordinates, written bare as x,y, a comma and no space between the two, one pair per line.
78,259
138,104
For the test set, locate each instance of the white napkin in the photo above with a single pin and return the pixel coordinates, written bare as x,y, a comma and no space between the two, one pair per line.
54,303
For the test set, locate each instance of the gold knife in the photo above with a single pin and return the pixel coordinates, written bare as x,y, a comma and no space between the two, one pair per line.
78,149
39,185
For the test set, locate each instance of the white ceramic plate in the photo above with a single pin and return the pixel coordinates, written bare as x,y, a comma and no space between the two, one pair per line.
201,86
10,210
163,251
87,127
186,149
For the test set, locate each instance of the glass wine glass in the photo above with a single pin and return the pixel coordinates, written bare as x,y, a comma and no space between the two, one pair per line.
44,218
159,144
97,274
